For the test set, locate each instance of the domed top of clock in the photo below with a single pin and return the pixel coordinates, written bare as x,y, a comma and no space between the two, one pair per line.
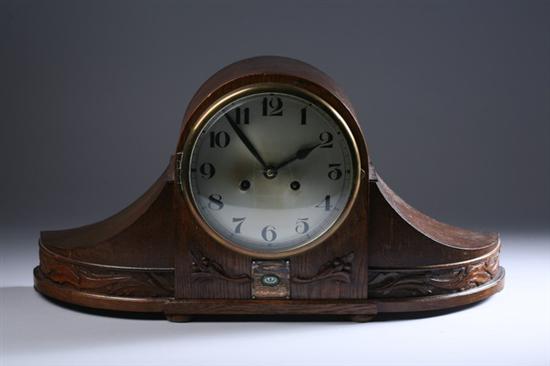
270,157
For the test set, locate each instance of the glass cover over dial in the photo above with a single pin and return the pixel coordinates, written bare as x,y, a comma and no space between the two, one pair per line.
272,172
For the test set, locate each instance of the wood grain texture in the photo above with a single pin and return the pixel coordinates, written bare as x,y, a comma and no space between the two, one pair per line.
141,235
205,269
401,238
269,307
338,269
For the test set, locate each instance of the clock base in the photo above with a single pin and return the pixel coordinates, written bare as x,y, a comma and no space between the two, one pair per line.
354,318
206,307
184,310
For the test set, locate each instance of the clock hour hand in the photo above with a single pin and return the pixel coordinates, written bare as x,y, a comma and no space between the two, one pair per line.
300,155
247,143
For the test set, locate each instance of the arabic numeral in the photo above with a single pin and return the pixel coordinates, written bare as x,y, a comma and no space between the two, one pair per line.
215,202
219,139
207,170
269,234
325,204
336,172
326,139
239,221
241,116
303,115
302,226
272,106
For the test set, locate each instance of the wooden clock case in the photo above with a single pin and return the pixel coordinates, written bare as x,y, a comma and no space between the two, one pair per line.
154,256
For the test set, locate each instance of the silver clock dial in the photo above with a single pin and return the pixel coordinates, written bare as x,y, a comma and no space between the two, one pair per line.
271,172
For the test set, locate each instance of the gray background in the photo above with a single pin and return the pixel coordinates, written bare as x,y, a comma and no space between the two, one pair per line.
453,96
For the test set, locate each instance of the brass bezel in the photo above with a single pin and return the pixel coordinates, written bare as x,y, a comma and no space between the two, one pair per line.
184,160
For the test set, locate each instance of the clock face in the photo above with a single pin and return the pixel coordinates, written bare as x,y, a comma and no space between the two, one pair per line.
272,172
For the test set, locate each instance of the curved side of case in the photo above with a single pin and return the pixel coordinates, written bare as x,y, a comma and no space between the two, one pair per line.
125,263
417,263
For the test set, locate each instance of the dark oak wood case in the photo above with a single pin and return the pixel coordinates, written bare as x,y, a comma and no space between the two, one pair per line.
154,256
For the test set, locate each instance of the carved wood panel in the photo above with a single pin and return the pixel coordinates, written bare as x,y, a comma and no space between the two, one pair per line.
106,281
390,284
384,283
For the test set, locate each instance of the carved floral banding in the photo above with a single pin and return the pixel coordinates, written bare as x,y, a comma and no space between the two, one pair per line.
204,268
338,269
398,284
107,281
160,283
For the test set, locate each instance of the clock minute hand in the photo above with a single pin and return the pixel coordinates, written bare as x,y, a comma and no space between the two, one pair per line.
247,143
300,155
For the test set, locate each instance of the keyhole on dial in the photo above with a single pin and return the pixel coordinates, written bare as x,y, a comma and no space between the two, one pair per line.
245,184
295,185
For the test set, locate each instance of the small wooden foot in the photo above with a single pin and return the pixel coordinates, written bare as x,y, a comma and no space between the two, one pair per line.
178,318
361,318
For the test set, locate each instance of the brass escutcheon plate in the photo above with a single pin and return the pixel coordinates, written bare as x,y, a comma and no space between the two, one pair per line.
271,279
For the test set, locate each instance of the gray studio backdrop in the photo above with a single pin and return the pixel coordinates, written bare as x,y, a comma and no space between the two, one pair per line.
453,96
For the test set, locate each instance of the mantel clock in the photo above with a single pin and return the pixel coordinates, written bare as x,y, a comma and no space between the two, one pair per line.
269,206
